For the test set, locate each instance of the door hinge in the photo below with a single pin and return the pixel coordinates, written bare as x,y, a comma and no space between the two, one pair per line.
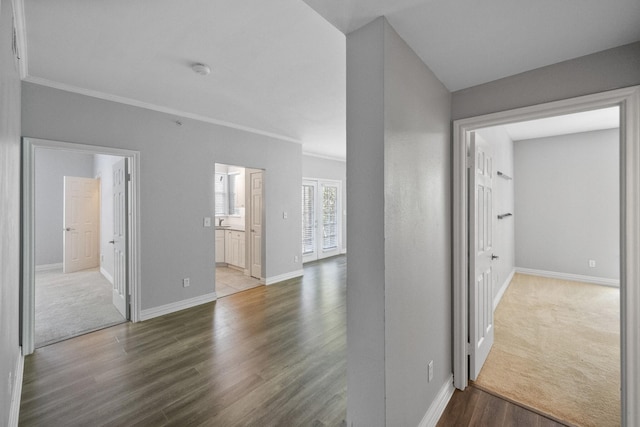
468,162
467,348
128,177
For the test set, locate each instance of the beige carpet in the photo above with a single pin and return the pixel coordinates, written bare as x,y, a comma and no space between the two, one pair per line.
557,350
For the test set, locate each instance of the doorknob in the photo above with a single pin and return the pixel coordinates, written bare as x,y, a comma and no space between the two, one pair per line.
494,256
69,229
112,241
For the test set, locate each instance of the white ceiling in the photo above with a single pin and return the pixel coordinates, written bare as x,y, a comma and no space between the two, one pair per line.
279,67
606,118
469,42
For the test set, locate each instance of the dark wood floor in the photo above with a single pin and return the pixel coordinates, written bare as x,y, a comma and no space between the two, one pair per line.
270,356
476,408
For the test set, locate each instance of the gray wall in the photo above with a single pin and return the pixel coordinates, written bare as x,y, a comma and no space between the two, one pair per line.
10,217
103,168
568,203
399,271
316,167
610,69
176,179
504,199
51,166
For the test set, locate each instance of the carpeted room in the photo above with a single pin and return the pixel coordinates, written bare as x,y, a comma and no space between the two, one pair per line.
557,329
78,300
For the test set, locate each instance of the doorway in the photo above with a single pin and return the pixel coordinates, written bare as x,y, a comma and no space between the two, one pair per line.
239,222
555,345
321,219
629,101
80,253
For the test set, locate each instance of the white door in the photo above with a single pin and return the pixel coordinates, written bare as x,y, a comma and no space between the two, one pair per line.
321,225
481,226
120,297
81,226
255,238
329,219
309,221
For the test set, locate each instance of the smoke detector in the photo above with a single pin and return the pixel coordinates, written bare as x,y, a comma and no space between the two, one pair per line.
202,69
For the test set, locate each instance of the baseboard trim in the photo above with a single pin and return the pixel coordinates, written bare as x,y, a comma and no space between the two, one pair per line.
439,404
282,277
503,289
150,313
14,411
106,275
47,267
568,276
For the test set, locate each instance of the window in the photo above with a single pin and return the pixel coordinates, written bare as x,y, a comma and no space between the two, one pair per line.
222,199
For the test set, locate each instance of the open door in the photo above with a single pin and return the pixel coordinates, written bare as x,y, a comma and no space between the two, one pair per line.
120,296
81,223
256,182
481,274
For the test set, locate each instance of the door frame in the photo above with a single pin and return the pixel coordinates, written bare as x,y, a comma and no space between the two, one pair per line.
628,99
29,146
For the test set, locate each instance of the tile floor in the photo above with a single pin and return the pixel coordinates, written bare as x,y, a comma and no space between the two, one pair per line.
230,281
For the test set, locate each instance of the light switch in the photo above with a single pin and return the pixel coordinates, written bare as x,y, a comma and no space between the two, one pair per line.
284,215
207,221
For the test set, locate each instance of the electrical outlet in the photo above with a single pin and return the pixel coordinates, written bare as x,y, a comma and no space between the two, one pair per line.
185,282
207,221
284,215
295,258
592,263
430,370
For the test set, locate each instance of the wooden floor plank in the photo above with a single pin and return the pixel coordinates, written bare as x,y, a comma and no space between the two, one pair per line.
271,355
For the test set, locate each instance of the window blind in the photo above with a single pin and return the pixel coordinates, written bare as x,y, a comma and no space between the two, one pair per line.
308,219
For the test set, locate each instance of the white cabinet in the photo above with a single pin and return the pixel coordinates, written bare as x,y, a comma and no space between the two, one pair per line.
220,246
235,248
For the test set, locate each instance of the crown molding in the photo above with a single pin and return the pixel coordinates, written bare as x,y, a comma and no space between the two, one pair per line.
146,105
324,156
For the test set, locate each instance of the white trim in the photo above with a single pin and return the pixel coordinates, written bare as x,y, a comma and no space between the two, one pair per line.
439,404
154,107
16,390
29,145
150,313
21,36
503,289
343,251
47,267
282,277
324,156
628,99
106,274
569,276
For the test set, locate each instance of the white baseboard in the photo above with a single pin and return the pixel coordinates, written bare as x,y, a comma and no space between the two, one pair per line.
503,289
150,313
286,276
568,276
439,404
106,275
14,410
46,267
